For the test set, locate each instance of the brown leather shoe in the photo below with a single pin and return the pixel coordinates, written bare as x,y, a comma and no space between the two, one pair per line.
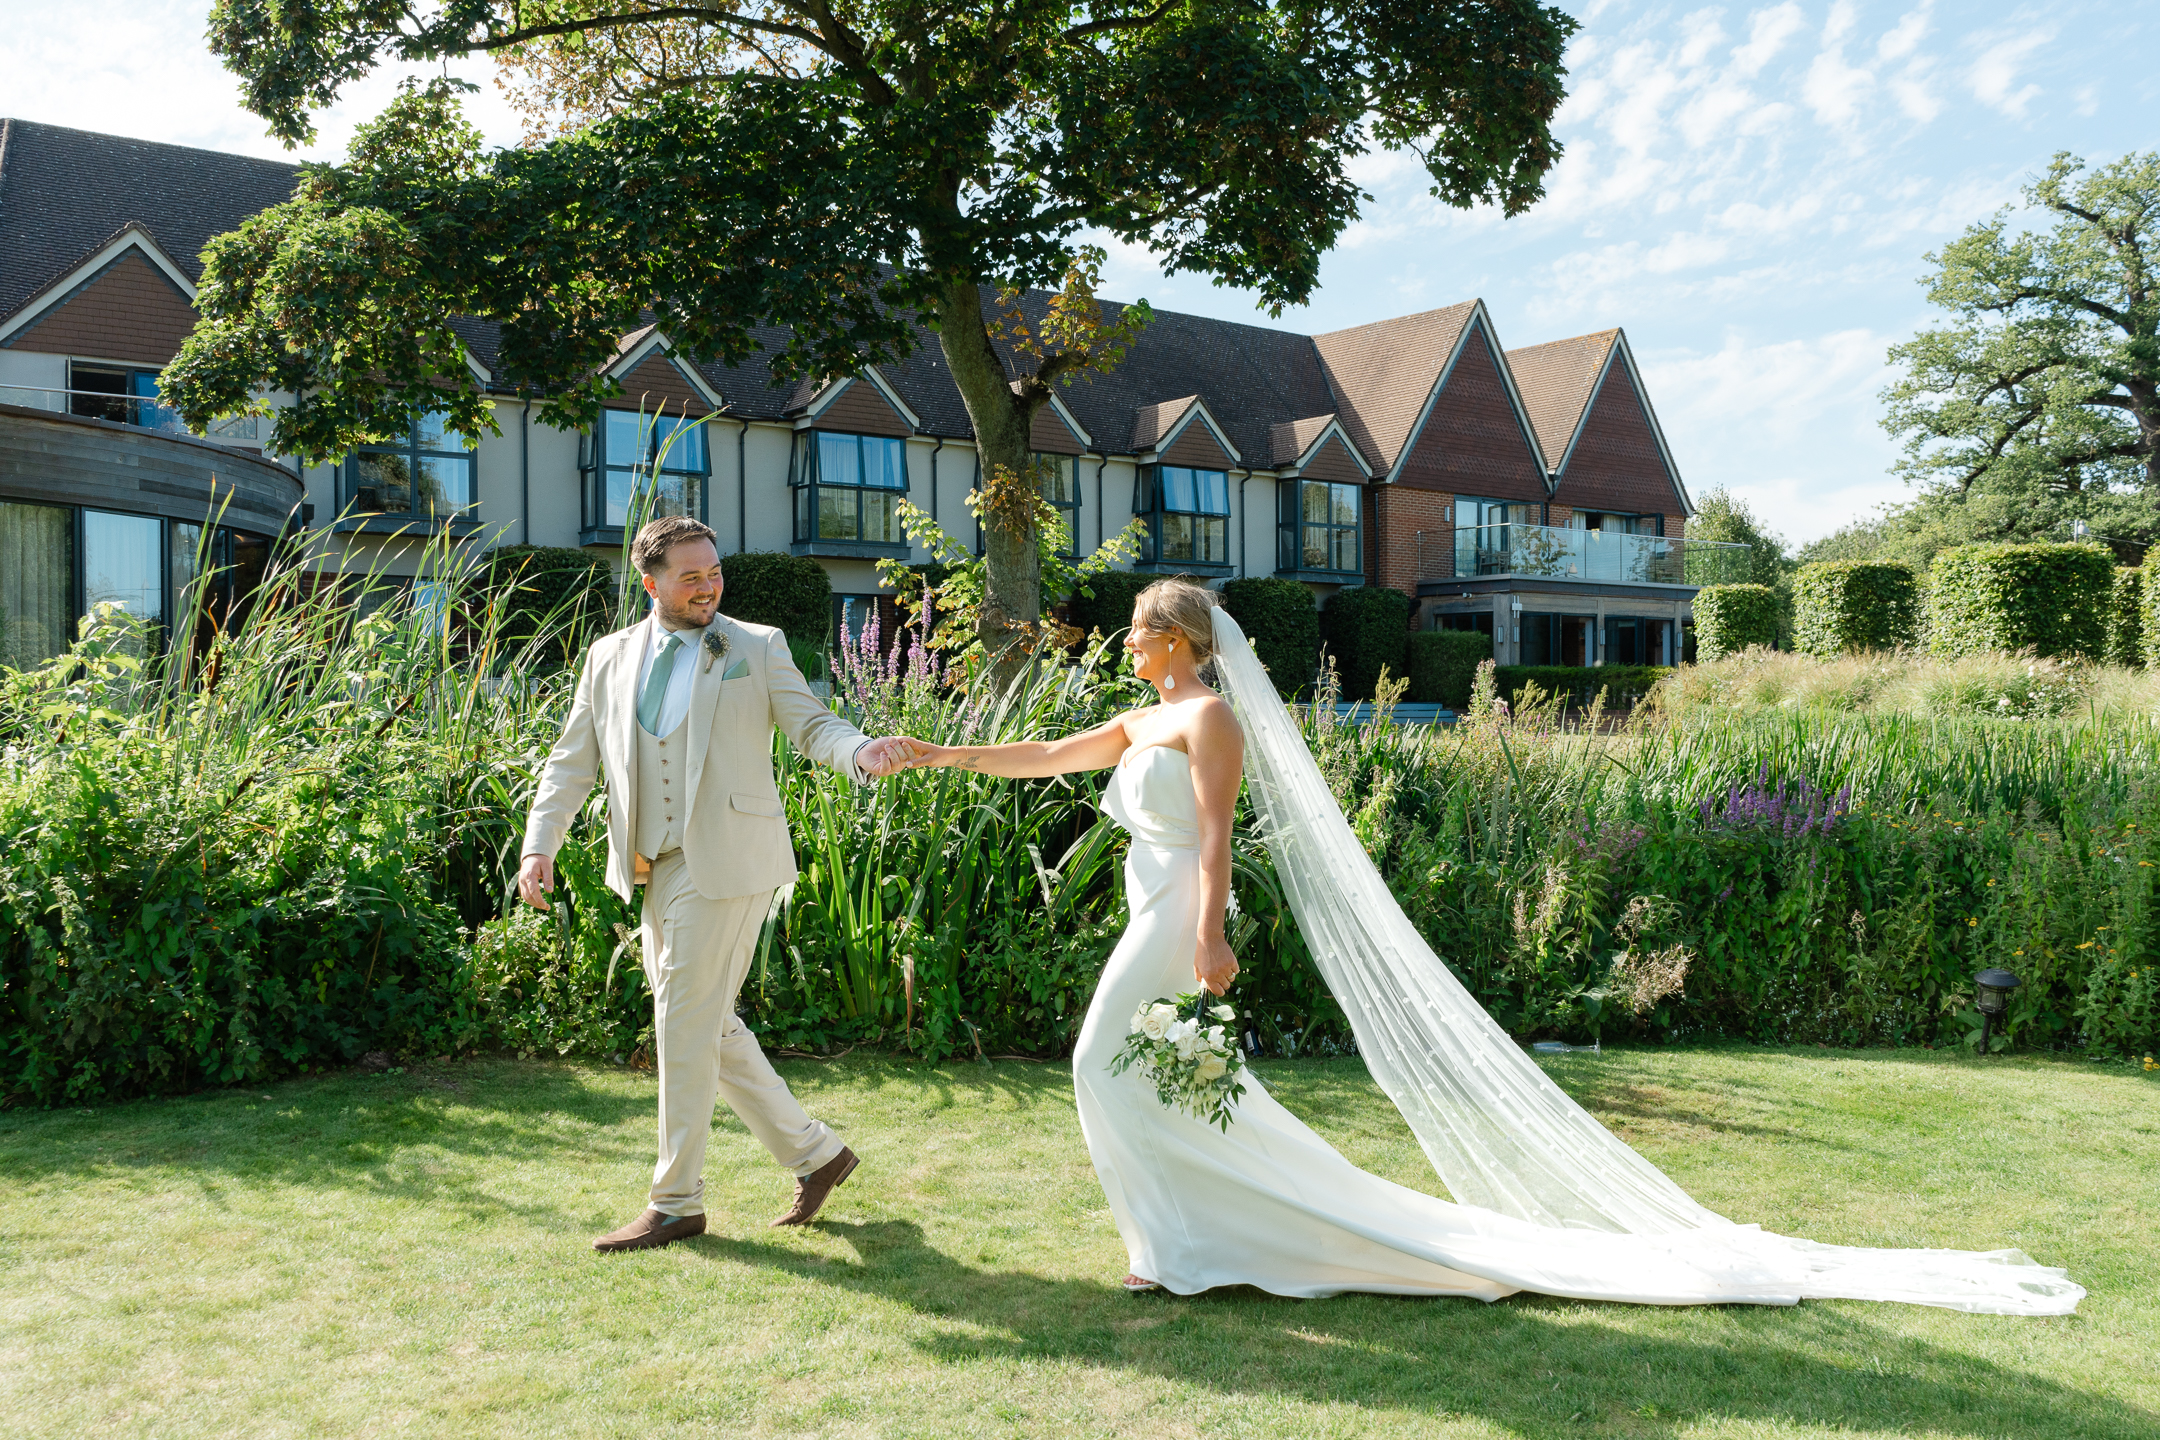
811,1189
650,1231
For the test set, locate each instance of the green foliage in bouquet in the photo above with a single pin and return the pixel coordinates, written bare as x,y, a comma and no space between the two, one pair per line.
1194,1066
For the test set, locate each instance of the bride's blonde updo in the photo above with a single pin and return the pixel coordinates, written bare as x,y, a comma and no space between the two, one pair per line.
1181,608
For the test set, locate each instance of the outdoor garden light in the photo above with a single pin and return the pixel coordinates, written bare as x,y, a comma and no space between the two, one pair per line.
1993,997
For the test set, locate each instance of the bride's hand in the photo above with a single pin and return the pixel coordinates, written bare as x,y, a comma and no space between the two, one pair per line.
1214,966
922,755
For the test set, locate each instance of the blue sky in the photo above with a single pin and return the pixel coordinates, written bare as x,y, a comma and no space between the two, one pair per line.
1748,190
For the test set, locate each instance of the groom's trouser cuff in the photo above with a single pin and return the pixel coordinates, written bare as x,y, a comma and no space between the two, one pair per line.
697,952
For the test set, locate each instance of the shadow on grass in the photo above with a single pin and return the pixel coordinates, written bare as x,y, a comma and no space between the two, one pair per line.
1528,1363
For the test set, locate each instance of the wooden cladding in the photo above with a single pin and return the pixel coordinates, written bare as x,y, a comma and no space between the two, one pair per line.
1197,447
862,409
658,388
130,310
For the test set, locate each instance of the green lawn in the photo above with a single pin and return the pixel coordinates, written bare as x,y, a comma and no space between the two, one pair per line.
407,1254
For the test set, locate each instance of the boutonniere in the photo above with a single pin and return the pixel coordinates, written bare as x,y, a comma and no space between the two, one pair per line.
716,646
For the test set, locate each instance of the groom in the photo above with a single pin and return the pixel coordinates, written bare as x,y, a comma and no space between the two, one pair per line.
679,711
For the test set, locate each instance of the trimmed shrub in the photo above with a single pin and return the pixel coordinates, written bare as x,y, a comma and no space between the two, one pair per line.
1844,606
2126,621
1366,627
1729,618
1283,623
1622,684
1109,607
1443,663
792,592
574,589
2051,599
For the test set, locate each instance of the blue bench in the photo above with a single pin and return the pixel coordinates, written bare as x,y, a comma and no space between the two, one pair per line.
1361,713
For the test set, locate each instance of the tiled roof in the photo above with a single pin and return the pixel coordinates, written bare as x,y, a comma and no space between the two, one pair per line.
1555,381
1152,422
64,193
1293,438
1384,371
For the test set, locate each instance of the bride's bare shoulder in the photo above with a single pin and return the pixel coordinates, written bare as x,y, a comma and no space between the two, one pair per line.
1211,721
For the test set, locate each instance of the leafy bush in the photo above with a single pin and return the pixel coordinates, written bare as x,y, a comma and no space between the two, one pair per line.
2126,619
792,592
1905,682
1443,663
2050,599
1579,685
1848,605
1104,603
1283,623
1730,618
1366,627
549,586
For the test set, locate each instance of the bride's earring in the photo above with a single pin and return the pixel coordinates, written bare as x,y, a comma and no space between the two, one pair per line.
1169,681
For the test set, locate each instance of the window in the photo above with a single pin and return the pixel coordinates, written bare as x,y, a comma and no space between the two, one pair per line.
1319,529
1187,513
119,393
426,476
659,461
1549,639
848,489
1061,487
37,582
1614,524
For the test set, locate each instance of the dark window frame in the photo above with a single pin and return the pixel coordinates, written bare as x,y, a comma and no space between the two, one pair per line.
595,463
807,484
466,516
1292,526
1068,510
1150,504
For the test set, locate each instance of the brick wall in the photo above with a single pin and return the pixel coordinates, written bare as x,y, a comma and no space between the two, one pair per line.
1616,464
130,311
657,387
1395,515
1473,443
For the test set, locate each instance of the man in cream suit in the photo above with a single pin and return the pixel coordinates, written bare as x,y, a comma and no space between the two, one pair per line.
679,711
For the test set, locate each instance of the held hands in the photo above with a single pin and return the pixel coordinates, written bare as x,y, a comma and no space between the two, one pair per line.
1214,966
895,753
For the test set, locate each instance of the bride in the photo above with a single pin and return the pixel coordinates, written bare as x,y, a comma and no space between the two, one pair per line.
1548,1199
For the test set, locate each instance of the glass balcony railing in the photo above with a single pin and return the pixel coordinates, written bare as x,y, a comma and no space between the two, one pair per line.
1554,552
141,411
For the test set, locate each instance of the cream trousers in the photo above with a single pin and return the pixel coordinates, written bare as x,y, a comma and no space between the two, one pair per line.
697,952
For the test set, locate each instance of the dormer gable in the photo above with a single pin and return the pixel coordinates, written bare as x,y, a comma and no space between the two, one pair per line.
864,404
1056,430
1317,448
1182,432
1616,458
656,381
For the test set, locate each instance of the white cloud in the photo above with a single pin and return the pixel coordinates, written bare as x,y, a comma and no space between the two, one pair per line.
1767,34
1905,37
1833,88
1995,73
1700,34
1915,96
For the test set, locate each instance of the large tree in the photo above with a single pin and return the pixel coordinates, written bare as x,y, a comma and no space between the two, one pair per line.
2041,395
844,168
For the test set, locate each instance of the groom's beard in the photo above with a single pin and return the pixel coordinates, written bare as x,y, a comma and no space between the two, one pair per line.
688,617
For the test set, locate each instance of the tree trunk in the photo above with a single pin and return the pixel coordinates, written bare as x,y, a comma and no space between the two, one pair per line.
1012,598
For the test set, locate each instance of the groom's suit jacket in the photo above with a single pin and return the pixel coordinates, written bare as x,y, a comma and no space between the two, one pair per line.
735,834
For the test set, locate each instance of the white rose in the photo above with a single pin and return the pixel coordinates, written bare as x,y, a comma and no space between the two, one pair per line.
1152,1022
1210,1068
1223,1012
1179,1031
1214,1037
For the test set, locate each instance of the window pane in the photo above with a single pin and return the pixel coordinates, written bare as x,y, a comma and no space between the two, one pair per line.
1345,504
617,511
1177,537
1316,547
1057,482
445,486
37,582
433,432
839,460
680,443
188,560
382,484
625,430
1213,489
1213,547
1346,550
884,463
1177,488
836,513
122,563
881,517
1316,504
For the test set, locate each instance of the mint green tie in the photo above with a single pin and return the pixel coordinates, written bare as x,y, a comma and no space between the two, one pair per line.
663,668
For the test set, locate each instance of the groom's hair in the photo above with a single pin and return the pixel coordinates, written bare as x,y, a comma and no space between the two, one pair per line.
649,551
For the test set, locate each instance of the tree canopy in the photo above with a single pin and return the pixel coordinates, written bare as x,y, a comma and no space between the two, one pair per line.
843,168
2042,389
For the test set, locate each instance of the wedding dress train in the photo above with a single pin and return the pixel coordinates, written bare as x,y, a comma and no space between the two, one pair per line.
1554,1203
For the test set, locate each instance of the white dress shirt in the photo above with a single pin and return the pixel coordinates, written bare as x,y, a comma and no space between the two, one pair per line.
676,703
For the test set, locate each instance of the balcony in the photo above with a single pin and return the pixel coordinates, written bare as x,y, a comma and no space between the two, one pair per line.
141,412
1551,552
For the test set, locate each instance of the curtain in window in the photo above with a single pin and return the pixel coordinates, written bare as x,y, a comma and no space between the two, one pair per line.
37,582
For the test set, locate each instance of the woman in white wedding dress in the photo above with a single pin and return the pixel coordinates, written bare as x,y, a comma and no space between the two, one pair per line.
1553,1202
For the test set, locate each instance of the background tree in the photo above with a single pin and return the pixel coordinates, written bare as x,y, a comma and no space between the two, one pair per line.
1722,515
2037,404
841,167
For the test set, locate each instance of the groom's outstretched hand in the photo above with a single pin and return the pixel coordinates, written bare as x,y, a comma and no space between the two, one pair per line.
885,757
536,880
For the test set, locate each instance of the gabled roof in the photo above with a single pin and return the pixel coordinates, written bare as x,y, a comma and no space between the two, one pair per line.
1385,373
1299,442
64,194
1556,380
1600,449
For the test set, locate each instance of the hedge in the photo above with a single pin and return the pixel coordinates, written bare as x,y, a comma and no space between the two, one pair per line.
1366,627
2051,599
2126,621
1109,608
769,587
1842,606
572,588
1443,663
1729,618
1581,683
1283,623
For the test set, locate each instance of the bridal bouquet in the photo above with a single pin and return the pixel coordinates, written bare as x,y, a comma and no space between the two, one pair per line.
1194,1065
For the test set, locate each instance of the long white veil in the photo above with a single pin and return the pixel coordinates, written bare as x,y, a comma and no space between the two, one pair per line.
1500,1134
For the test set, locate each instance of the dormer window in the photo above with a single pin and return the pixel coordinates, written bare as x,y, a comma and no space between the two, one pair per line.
1187,513
659,461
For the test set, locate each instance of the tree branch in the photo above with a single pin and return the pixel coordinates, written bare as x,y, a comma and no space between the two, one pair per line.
1129,22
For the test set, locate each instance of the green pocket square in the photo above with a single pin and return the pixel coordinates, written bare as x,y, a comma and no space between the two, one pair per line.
736,671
